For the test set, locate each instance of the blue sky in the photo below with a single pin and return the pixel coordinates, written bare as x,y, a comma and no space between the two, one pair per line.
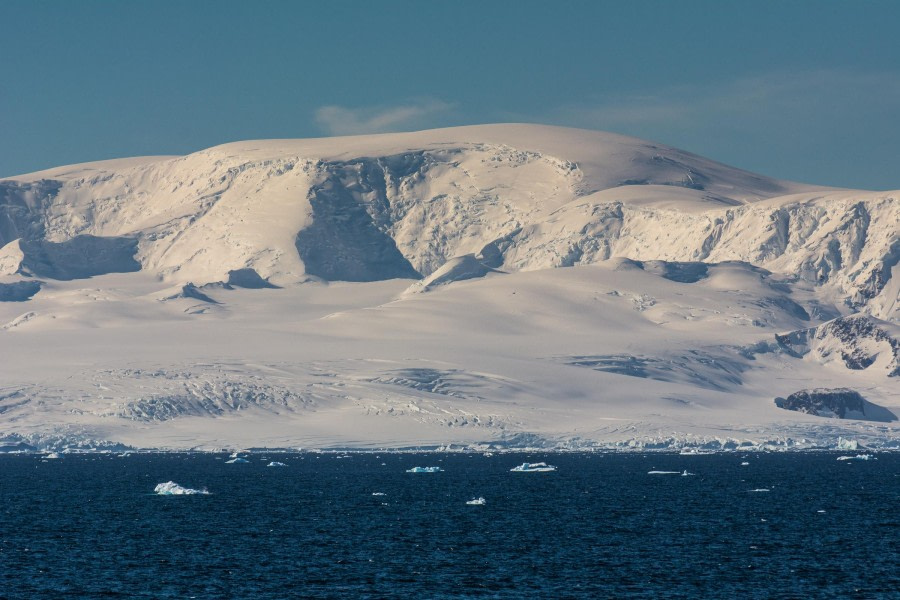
800,90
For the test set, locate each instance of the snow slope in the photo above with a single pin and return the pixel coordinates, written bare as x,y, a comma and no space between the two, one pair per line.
506,284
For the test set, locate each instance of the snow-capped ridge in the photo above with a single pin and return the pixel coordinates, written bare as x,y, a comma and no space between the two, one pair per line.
858,342
189,291
456,269
369,208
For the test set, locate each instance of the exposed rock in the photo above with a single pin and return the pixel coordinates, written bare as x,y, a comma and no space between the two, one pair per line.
837,403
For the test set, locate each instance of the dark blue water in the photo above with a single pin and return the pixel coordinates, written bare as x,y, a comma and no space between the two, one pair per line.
90,527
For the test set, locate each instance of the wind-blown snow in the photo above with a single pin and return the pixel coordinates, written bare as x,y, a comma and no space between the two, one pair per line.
411,289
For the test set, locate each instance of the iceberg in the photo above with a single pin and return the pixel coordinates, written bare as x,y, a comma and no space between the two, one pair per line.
693,451
847,444
170,488
236,461
857,457
424,470
533,468
476,502
275,463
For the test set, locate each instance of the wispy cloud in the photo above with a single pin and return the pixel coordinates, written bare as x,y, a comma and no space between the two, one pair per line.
744,102
832,127
340,120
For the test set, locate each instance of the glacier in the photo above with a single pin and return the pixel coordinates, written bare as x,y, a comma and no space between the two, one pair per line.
487,287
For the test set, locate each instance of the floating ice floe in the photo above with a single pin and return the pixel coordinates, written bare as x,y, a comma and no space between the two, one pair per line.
744,464
533,468
236,461
477,502
424,470
857,457
170,488
275,463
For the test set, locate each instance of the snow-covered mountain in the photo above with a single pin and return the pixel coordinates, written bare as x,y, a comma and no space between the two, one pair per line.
510,284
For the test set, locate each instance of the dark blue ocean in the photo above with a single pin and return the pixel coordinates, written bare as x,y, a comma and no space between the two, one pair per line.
90,526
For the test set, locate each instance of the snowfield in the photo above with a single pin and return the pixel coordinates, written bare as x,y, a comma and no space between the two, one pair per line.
502,286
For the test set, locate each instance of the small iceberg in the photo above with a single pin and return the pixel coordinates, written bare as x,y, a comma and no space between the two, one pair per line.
745,464
857,457
275,463
665,472
237,460
170,488
533,468
846,444
424,470
476,502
